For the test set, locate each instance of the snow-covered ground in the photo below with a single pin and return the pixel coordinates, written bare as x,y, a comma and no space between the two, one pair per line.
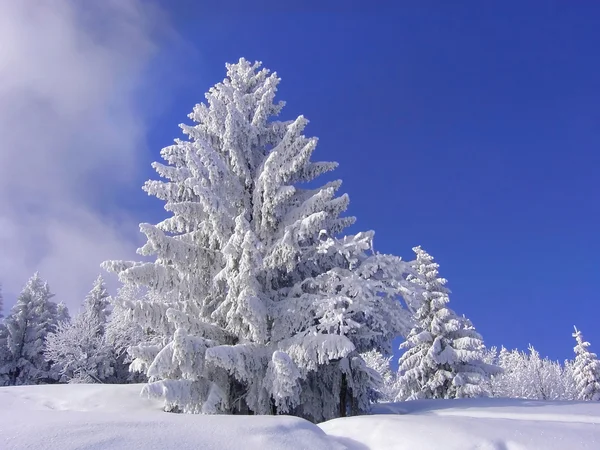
115,417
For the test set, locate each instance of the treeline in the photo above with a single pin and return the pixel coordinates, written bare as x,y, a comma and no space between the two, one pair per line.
40,343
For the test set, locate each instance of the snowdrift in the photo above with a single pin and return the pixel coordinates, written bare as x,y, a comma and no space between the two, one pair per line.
116,417
483,424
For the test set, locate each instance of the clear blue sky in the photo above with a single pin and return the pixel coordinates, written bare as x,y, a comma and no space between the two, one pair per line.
471,130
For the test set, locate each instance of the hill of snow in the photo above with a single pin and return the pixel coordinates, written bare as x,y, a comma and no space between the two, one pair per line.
116,417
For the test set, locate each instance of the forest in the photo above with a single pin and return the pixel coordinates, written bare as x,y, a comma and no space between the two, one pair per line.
251,299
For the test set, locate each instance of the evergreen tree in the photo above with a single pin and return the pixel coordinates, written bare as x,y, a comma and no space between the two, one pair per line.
32,318
78,349
96,305
62,313
443,353
586,370
254,304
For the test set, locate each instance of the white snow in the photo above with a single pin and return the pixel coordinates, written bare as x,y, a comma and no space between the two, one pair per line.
483,424
100,417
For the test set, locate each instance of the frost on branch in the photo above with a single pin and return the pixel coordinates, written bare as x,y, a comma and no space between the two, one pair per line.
283,379
250,282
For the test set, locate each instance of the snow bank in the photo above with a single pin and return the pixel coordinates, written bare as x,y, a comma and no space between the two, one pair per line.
101,417
484,424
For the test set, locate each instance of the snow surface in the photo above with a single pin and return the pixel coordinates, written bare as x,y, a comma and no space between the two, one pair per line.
95,417
101,417
483,424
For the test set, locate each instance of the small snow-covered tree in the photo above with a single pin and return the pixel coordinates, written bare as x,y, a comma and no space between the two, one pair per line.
444,354
511,383
123,333
78,349
491,357
529,376
96,305
30,321
253,302
62,313
78,354
586,370
568,383
545,377
387,390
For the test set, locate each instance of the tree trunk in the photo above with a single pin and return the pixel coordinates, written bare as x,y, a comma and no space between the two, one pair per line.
353,406
343,395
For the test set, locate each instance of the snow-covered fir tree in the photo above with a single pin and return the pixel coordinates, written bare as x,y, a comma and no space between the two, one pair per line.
78,348
254,303
586,370
30,321
96,305
444,354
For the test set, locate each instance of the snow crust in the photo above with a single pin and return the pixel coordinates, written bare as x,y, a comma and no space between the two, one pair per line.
96,417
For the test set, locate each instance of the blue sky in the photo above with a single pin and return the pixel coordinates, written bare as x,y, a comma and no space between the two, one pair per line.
468,129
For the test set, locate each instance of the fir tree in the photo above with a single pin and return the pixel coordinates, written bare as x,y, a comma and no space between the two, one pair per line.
254,303
32,318
444,354
96,305
586,370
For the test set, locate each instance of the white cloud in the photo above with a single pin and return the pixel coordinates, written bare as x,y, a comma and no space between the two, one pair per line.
70,134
